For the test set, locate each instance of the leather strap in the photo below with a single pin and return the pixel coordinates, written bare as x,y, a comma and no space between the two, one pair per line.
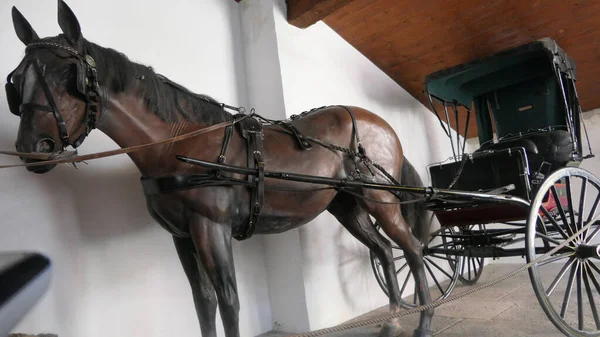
304,144
97,155
252,131
228,133
260,178
361,149
302,141
62,126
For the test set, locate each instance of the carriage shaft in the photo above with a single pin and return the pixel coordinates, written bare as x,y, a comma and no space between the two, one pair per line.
339,183
492,252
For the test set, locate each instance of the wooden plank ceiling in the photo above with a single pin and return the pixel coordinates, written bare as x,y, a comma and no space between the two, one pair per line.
410,39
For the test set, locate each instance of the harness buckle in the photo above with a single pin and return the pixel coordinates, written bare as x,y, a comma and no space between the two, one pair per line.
90,61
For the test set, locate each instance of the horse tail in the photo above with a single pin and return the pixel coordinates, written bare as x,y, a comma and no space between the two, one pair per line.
414,213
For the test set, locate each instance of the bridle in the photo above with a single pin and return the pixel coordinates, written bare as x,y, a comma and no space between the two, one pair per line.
87,85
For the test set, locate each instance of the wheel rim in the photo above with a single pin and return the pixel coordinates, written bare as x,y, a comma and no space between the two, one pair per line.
436,268
570,296
472,267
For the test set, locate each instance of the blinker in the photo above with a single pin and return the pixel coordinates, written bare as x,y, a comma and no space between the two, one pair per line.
12,95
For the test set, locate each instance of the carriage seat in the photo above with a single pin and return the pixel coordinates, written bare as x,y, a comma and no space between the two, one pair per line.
553,147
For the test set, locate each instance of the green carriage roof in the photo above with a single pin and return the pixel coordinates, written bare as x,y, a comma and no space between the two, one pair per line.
463,82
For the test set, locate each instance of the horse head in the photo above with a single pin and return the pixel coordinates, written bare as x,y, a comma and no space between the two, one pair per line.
54,90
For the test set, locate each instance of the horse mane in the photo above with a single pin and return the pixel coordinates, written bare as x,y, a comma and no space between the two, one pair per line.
167,100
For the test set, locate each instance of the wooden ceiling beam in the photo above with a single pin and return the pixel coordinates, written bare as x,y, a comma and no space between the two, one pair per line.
305,13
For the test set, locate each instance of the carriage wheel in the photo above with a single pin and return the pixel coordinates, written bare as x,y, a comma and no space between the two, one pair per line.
472,267
567,284
439,274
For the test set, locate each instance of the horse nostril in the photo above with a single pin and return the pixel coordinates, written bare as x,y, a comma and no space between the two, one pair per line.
45,145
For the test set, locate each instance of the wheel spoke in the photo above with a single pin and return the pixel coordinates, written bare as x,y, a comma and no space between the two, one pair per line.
434,278
567,296
590,294
580,298
591,264
561,211
405,283
548,238
594,233
438,267
449,259
592,213
572,224
554,223
554,259
560,275
474,261
588,264
582,196
402,268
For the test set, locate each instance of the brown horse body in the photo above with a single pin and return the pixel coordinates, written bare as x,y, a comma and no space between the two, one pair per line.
204,220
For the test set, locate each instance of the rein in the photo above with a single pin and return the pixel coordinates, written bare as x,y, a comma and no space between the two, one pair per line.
75,158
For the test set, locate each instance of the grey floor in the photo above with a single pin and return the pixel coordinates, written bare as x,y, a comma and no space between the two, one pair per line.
509,308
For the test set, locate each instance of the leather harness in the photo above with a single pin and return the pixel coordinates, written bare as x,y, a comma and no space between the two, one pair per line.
251,129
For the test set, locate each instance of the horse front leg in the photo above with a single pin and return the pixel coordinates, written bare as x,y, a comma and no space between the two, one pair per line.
205,299
213,245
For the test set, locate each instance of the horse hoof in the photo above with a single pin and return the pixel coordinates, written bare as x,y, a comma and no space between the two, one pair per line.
422,333
390,329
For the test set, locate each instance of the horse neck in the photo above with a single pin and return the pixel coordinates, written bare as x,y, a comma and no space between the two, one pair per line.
129,122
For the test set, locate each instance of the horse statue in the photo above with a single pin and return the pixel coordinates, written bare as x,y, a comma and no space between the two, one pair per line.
66,86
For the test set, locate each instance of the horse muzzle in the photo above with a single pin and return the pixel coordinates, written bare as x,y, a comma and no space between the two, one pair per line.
44,145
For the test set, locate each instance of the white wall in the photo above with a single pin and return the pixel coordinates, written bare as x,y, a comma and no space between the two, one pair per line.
265,94
115,269
318,68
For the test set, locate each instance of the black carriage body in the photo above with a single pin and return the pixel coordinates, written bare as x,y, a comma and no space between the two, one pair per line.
487,172
526,97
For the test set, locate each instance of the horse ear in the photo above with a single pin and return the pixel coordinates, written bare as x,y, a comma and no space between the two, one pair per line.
68,22
22,27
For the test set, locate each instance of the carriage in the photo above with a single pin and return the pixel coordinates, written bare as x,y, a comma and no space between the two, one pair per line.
529,127
524,177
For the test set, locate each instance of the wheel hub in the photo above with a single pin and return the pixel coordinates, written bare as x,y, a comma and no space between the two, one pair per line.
588,251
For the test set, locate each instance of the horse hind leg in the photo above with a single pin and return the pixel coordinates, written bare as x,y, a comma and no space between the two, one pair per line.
389,217
356,220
